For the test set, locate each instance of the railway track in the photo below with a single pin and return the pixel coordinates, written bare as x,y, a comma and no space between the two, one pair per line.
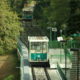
40,73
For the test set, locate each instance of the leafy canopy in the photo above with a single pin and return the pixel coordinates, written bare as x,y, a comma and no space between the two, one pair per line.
9,27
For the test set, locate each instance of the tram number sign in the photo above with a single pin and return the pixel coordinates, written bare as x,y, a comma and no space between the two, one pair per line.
54,29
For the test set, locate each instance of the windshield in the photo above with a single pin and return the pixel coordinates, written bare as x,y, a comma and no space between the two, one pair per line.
38,47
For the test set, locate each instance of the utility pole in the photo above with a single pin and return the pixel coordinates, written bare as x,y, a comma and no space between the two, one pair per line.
50,28
54,30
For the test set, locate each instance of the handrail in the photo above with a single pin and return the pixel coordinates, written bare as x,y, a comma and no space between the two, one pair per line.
61,72
66,51
54,44
69,44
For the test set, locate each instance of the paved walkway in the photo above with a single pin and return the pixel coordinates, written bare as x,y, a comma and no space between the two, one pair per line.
26,73
54,74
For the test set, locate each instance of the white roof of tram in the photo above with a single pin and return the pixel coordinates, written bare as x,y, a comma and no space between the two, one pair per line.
28,9
38,39
29,6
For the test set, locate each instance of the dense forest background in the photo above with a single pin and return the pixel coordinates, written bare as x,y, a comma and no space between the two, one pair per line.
62,14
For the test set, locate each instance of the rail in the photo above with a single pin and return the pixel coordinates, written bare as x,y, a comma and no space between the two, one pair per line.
61,72
47,74
33,74
40,73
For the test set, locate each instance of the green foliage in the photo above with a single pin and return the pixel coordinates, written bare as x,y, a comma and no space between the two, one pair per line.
10,77
74,18
16,5
56,10
9,27
63,12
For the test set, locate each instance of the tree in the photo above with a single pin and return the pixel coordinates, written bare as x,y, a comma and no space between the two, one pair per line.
9,27
74,17
17,5
10,77
56,11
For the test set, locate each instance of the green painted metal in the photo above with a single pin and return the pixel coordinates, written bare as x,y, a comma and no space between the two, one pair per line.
72,44
76,35
67,52
27,17
69,44
20,47
54,44
38,56
51,34
57,56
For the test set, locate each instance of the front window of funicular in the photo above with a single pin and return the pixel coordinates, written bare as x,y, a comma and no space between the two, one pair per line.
36,47
24,14
28,15
44,47
39,50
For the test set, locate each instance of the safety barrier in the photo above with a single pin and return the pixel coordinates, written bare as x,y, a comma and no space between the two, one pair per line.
67,52
61,72
73,44
68,44
54,44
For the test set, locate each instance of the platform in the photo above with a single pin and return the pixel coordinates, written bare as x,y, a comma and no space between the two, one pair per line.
57,56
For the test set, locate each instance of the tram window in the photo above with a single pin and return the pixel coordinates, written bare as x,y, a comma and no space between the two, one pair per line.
44,47
32,46
36,47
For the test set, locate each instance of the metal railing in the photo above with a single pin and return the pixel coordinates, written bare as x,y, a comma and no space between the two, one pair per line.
69,44
67,52
73,44
54,44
